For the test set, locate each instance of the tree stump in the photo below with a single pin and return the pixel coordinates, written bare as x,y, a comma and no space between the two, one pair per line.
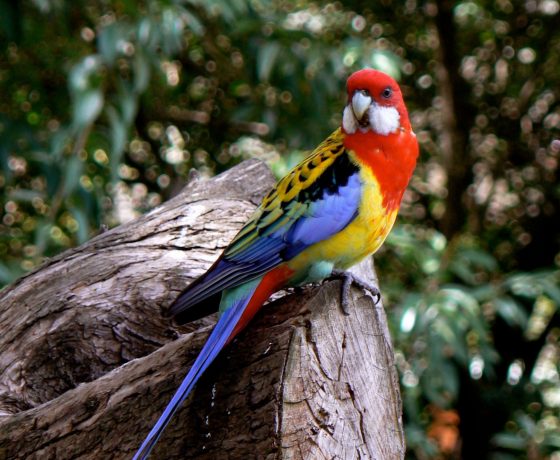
88,362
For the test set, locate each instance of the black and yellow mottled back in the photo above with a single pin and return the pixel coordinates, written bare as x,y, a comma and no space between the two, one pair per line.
295,214
323,172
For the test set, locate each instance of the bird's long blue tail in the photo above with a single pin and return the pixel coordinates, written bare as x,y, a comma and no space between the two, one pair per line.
217,340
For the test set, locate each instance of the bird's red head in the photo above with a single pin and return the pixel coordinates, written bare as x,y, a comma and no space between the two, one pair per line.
378,132
375,103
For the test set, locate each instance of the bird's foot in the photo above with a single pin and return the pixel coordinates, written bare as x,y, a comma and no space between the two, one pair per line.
348,279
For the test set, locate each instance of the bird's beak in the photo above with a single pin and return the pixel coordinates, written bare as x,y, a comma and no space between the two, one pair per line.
360,104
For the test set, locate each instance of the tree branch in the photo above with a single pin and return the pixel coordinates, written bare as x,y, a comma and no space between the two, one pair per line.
303,381
457,120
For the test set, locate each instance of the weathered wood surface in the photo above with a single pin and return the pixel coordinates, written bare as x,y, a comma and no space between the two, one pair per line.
304,381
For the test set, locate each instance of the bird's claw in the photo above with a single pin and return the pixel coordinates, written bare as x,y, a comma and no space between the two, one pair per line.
348,279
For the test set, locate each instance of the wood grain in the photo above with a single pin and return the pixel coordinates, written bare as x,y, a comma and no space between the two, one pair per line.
88,362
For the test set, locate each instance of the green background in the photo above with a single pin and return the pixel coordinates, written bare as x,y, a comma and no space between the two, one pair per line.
105,106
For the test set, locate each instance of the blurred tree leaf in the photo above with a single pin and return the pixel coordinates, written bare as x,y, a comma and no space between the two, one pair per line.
511,311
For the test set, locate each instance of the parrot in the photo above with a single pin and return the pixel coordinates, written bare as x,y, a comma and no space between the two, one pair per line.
328,213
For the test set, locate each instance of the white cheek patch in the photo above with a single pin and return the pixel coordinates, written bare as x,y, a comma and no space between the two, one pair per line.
349,122
383,120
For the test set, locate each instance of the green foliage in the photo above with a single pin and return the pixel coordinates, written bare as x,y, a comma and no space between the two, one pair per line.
105,107
130,97
449,299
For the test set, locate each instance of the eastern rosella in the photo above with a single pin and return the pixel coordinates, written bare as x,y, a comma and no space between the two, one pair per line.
332,210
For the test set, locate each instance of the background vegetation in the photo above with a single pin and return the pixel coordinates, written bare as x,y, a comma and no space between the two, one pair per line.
105,106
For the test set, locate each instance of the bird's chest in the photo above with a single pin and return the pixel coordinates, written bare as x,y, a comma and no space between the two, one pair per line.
359,238
370,228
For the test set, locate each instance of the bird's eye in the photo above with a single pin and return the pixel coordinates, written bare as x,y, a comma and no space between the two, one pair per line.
387,92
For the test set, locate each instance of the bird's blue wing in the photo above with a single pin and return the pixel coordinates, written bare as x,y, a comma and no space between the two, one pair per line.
319,198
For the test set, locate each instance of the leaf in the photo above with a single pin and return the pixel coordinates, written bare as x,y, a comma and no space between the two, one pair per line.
479,258
456,295
172,29
81,75
553,440
145,32
87,96
21,194
118,140
526,423
509,441
551,288
58,143
438,382
87,106
108,39
442,329
466,263
42,235
450,378
7,274
511,311
524,285
267,55
128,104
408,320
141,72
461,269
193,23
72,172
83,224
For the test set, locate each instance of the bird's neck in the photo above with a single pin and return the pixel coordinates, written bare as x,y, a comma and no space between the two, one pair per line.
391,159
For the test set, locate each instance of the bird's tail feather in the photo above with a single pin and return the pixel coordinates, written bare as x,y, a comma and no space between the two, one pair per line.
216,341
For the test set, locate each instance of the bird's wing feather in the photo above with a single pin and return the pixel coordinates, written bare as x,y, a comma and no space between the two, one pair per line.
216,341
316,200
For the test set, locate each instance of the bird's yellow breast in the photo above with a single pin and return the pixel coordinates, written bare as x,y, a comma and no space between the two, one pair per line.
362,237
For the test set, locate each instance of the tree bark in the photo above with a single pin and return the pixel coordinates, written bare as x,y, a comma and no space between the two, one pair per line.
457,119
88,362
